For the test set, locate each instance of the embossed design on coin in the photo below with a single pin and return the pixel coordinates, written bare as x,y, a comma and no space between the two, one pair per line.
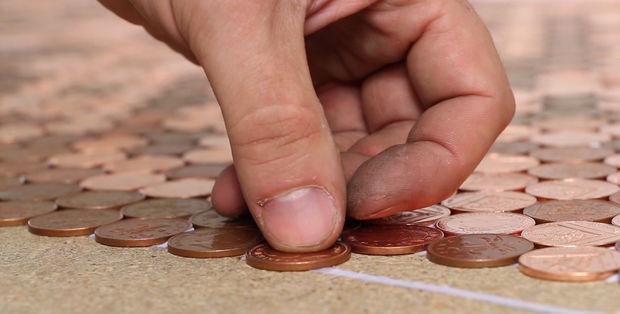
489,223
15,213
166,208
581,170
99,199
572,189
497,182
72,222
567,210
390,239
262,256
489,201
140,232
38,191
208,242
211,219
572,233
421,217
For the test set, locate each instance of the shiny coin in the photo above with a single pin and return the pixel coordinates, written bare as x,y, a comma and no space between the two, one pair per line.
572,189
196,171
64,175
487,223
122,181
478,250
497,181
140,232
500,163
573,233
421,217
264,257
15,213
166,208
38,191
211,219
571,154
570,263
390,239
582,170
489,201
209,242
99,199
72,222
145,164
567,210
185,188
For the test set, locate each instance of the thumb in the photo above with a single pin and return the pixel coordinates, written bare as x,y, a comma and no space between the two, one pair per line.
286,162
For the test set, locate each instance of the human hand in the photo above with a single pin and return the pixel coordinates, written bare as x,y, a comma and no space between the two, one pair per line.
399,98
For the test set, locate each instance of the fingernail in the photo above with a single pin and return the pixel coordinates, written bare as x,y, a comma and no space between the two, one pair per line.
303,217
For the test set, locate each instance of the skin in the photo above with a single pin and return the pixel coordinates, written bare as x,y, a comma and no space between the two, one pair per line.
336,107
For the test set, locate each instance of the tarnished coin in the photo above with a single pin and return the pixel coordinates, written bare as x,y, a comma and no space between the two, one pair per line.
15,213
487,223
418,217
478,250
122,181
211,219
572,189
100,199
568,210
185,188
85,160
489,201
196,171
262,256
570,263
509,181
145,164
390,239
581,170
72,222
140,232
166,208
64,175
570,138
572,154
573,233
208,242
501,163
38,191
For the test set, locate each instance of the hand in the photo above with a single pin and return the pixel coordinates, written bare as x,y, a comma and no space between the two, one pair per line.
400,99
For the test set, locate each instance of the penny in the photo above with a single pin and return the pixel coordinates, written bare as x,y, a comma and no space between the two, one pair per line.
390,239
208,156
572,189
185,188
478,250
196,171
166,208
571,154
573,233
173,149
567,210
171,137
497,181
211,219
421,217
140,232
207,242
582,170
145,163
262,256
616,220
85,160
613,178
564,123
574,264
214,141
487,223
501,163
18,132
38,191
6,182
513,148
72,222
19,155
570,138
64,175
122,181
18,168
112,142
613,160
489,201
15,213
517,132
99,199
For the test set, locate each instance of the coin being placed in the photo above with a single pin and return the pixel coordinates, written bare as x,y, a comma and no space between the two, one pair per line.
491,182
484,223
72,222
166,208
185,188
100,199
262,256
64,175
567,210
122,181
478,250
573,233
140,232
580,170
15,213
211,219
572,154
196,171
573,264
38,191
390,239
501,201
418,217
502,163
572,189
209,242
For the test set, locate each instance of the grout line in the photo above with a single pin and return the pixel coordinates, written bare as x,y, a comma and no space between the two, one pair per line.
480,296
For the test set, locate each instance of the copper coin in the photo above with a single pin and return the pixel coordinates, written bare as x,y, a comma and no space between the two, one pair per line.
614,178
501,163
140,232
72,222
122,181
18,168
616,220
145,163
209,242
38,191
582,170
613,160
6,182
166,208
571,138
15,213
513,148
487,223
172,149
421,217
571,154
64,175
573,233
478,250
185,188
517,132
208,156
211,219
489,201
572,189
99,199
566,210
574,264
85,160
262,256
497,181
390,239
110,143
196,171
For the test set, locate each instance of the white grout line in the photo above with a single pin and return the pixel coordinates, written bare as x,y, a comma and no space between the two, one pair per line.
480,296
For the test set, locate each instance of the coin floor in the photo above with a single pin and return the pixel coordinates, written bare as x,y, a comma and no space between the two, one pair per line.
89,101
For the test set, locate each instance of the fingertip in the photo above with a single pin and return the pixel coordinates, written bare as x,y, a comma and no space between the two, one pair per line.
226,196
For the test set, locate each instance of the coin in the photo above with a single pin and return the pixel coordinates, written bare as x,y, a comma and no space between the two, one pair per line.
185,188
614,178
572,189
15,213
390,239
421,217
72,222
145,163
172,149
570,263
38,191
211,219
18,168
487,223
571,154
85,160
111,142
570,138
616,220
572,233
489,201
497,181
99,199
582,170
196,171
140,232
501,163
613,160
64,175
166,208
513,148
262,256
6,182
478,250
208,156
566,210
208,242
122,181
